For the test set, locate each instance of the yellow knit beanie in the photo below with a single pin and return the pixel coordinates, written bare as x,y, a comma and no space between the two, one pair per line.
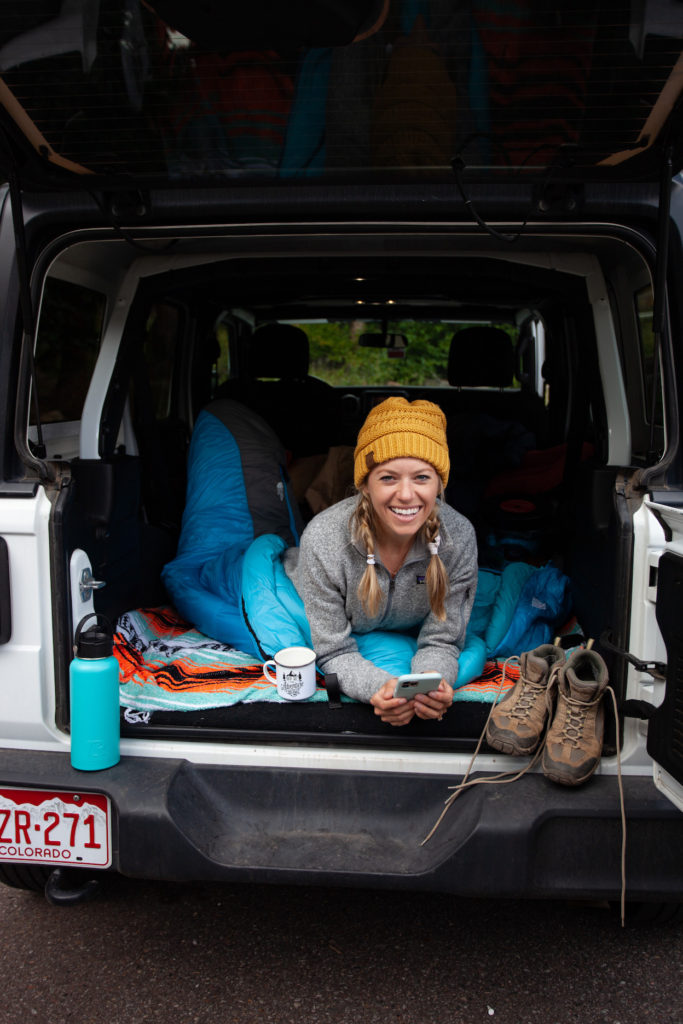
397,428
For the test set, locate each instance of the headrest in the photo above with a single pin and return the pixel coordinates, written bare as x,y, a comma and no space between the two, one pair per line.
278,350
481,357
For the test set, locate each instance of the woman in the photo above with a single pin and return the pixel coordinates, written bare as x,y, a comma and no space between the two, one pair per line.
392,558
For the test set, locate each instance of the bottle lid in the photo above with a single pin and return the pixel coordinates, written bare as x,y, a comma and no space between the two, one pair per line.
94,642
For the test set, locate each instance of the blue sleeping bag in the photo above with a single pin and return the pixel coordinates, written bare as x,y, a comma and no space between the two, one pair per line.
237,489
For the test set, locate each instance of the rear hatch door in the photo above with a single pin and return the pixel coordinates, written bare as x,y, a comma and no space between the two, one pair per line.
128,93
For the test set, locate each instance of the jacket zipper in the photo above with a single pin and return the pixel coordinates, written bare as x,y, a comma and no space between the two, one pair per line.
390,595
392,581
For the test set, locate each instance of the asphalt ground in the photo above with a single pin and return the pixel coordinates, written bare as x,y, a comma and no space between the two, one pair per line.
198,954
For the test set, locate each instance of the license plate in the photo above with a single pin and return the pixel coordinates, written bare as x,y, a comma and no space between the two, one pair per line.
41,826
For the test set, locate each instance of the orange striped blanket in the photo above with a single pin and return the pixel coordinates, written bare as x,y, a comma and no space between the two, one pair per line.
166,664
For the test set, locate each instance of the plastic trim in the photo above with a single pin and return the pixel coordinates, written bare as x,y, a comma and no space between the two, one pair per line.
174,820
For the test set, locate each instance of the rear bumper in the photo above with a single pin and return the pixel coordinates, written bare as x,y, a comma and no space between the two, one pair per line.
180,821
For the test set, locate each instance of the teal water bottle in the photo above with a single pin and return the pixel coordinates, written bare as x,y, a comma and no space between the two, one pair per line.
94,689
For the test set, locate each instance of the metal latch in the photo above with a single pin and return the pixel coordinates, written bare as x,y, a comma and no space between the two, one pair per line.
657,669
87,584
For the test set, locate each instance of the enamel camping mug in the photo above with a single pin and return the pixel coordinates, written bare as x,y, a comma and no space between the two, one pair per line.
294,672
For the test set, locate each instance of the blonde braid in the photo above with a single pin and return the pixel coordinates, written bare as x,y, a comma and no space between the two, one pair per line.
369,590
437,577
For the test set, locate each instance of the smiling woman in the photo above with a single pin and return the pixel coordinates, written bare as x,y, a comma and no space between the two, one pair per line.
392,562
402,494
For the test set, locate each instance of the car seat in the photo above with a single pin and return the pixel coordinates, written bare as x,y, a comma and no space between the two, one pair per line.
481,357
300,408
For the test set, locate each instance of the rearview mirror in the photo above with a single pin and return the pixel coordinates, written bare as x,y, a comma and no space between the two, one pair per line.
397,342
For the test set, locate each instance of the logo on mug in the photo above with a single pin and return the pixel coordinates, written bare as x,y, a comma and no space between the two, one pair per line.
294,669
291,682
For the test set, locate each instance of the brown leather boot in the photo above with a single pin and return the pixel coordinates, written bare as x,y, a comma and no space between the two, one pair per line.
516,724
574,742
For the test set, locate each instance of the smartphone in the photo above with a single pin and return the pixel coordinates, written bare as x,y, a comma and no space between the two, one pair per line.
416,682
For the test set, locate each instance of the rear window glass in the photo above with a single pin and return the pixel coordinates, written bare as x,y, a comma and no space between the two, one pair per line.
361,353
160,345
652,384
512,85
68,341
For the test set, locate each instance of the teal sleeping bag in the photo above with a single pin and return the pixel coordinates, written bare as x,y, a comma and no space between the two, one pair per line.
523,606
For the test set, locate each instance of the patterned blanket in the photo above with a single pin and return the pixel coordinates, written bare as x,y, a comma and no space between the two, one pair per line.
166,664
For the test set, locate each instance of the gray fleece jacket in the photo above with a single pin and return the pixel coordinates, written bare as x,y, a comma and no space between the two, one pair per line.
326,570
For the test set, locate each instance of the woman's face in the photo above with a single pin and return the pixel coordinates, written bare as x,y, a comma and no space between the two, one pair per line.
403,493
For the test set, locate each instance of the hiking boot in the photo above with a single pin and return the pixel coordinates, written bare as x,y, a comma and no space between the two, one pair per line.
574,742
517,724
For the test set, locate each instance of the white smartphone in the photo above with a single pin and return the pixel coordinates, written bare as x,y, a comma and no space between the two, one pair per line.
416,682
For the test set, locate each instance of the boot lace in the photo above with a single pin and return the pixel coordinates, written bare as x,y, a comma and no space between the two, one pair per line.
504,777
528,696
500,777
576,718
531,691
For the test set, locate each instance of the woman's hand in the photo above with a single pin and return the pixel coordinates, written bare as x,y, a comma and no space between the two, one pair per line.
393,710
434,703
